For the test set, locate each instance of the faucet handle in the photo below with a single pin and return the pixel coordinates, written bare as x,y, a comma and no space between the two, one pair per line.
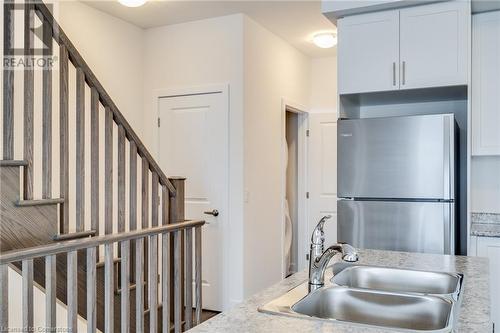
318,235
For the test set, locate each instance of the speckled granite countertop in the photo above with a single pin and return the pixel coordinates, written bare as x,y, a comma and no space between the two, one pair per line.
485,225
474,314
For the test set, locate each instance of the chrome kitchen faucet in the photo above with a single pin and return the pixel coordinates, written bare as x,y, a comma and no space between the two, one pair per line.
319,258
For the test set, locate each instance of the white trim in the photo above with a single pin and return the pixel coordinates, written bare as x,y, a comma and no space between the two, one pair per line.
188,90
469,130
287,105
223,89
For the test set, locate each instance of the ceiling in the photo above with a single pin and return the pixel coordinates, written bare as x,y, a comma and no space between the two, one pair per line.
294,21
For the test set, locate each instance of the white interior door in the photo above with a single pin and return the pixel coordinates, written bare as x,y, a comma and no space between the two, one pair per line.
193,142
322,149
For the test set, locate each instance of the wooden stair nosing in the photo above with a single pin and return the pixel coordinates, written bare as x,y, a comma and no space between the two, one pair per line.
132,286
12,163
39,202
100,264
74,235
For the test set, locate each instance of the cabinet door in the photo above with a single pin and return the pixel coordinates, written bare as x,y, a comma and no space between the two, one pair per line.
486,84
490,247
368,52
433,45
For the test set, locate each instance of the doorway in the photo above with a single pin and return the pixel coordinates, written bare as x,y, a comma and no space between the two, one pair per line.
294,194
193,142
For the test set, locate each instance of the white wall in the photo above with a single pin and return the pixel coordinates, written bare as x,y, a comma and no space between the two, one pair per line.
113,50
193,54
323,93
485,184
197,54
273,69
260,69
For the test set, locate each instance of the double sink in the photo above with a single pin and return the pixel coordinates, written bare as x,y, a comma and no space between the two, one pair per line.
377,296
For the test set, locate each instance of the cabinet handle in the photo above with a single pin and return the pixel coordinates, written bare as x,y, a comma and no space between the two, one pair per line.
394,73
404,72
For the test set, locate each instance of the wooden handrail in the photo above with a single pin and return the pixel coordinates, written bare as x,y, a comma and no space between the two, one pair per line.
80,244
104,97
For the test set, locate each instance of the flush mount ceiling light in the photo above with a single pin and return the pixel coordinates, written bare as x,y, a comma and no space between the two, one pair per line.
132,3
325,40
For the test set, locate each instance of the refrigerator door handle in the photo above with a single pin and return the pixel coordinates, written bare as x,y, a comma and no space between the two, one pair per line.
448,157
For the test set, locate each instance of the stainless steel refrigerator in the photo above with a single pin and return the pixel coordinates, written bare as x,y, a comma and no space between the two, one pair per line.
396,183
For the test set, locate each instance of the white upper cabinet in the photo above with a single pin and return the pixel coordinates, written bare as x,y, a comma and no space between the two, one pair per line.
368,52
433,45
486,84
416,47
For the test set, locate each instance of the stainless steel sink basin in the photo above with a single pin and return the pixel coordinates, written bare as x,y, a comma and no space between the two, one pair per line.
408,300
398,280
412,312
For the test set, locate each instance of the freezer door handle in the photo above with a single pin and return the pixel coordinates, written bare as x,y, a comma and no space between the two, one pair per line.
449,229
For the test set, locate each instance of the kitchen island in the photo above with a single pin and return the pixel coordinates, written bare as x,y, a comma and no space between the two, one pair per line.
474,315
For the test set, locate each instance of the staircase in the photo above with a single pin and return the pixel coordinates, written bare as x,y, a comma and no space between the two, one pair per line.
132,266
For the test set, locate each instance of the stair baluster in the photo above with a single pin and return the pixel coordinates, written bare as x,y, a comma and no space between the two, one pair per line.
4,296
121,178
94,152
50,292
153,284
108,172
125,286
72,291
80,150
166,284
27,292
139,289
64,138
197,261
145,218
177,282
109,299
8,84
47,114
188,257
29,83
91,290
132,204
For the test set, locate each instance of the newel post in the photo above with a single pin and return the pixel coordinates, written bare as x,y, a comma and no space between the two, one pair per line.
176,215
177,212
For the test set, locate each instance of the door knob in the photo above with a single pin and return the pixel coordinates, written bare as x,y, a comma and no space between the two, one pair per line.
214,212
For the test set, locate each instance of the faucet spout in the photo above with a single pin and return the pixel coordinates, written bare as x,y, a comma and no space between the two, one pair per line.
317,267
